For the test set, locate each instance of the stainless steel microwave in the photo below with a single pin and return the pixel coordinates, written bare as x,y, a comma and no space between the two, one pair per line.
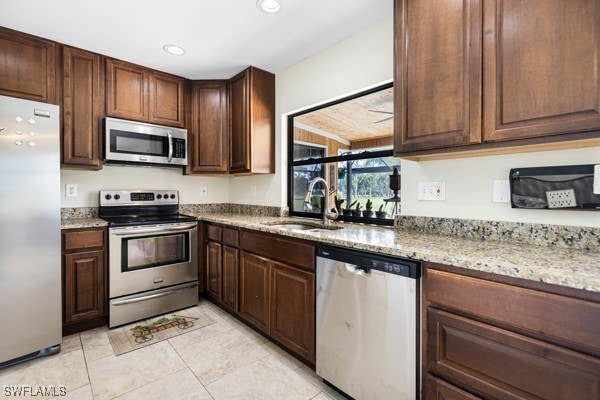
130,142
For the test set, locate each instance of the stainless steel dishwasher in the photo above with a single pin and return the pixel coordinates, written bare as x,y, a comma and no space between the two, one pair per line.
368,330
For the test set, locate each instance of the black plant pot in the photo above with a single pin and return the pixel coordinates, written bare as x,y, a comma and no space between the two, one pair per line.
368,214
347,213
356,213
381,214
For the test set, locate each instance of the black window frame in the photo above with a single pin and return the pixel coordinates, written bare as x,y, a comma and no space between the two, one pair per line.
332,159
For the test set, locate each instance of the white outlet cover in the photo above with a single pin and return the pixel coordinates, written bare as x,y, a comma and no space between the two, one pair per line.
501,191
70,190
561,198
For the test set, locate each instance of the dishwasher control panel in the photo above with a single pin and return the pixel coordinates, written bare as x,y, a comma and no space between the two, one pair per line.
367,261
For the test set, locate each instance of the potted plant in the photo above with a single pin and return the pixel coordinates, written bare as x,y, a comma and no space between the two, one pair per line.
368,213
357,210
348,210
338,205
381,213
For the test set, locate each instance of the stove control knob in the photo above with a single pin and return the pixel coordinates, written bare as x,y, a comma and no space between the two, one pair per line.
108,197
159,196
117,196
172,196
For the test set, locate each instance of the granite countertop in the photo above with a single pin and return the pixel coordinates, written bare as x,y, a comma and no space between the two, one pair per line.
73,223
579,269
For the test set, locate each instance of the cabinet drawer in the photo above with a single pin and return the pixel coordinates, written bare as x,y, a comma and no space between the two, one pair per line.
230,237
213,232
436,388
571,322
279,248
502,364
83,239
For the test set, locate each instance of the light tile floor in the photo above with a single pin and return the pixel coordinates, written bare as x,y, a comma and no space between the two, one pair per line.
223,361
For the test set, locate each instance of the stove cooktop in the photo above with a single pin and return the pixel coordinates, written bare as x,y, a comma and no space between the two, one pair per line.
141,207
133,220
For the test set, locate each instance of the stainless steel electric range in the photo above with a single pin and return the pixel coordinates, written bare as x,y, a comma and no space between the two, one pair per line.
153,254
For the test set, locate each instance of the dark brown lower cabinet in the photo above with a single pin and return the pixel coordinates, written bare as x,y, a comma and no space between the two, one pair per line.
230,278
437,389
213,270
266,280
84,279
254,290
495,339
292,309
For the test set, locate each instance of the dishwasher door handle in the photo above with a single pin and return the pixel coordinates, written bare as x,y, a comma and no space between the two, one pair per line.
355,270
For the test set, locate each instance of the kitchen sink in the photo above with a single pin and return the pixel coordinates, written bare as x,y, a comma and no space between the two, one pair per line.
295,226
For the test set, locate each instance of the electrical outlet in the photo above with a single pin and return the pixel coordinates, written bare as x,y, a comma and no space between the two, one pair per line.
253,191
561,198
431,191
70,190
203,191
501,191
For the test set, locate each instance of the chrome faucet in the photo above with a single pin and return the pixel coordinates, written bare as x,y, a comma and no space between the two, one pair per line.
327,214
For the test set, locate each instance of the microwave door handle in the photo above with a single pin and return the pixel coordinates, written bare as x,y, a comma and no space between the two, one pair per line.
170,138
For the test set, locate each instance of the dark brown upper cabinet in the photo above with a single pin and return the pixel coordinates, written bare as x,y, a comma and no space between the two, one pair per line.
82,108
481,74
27,66
208,131
141,94
252,122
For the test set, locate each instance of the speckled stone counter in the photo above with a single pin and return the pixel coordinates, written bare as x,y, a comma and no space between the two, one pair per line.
572,268
73,223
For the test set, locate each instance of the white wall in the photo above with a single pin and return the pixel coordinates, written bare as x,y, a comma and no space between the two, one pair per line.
361,60
128,177
469,187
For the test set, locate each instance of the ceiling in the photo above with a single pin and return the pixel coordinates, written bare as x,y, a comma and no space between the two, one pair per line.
221,37
362,118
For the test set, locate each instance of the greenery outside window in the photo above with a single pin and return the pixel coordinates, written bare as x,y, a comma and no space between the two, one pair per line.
349,143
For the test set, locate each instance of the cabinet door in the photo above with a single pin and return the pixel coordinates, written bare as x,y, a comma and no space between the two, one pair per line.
213,270
166,99
239,150
437,389
84,291
437,75
230,278
254,290
541,68
27,66
126,90
209,132
293,309
502,364
83,108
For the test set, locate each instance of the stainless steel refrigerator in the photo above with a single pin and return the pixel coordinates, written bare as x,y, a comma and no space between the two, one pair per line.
30,258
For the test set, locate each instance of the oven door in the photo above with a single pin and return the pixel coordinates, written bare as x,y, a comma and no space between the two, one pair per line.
148,257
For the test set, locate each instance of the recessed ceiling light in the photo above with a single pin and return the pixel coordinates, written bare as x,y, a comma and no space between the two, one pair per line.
174,49
268,6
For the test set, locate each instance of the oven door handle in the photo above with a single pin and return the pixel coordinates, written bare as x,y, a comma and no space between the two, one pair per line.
135,232
170,138
153,296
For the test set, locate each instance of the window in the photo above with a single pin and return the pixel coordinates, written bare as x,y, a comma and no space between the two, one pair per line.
349,143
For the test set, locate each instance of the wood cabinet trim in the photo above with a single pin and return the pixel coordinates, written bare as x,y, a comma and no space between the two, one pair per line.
290,251
83,239
501,364
566,321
